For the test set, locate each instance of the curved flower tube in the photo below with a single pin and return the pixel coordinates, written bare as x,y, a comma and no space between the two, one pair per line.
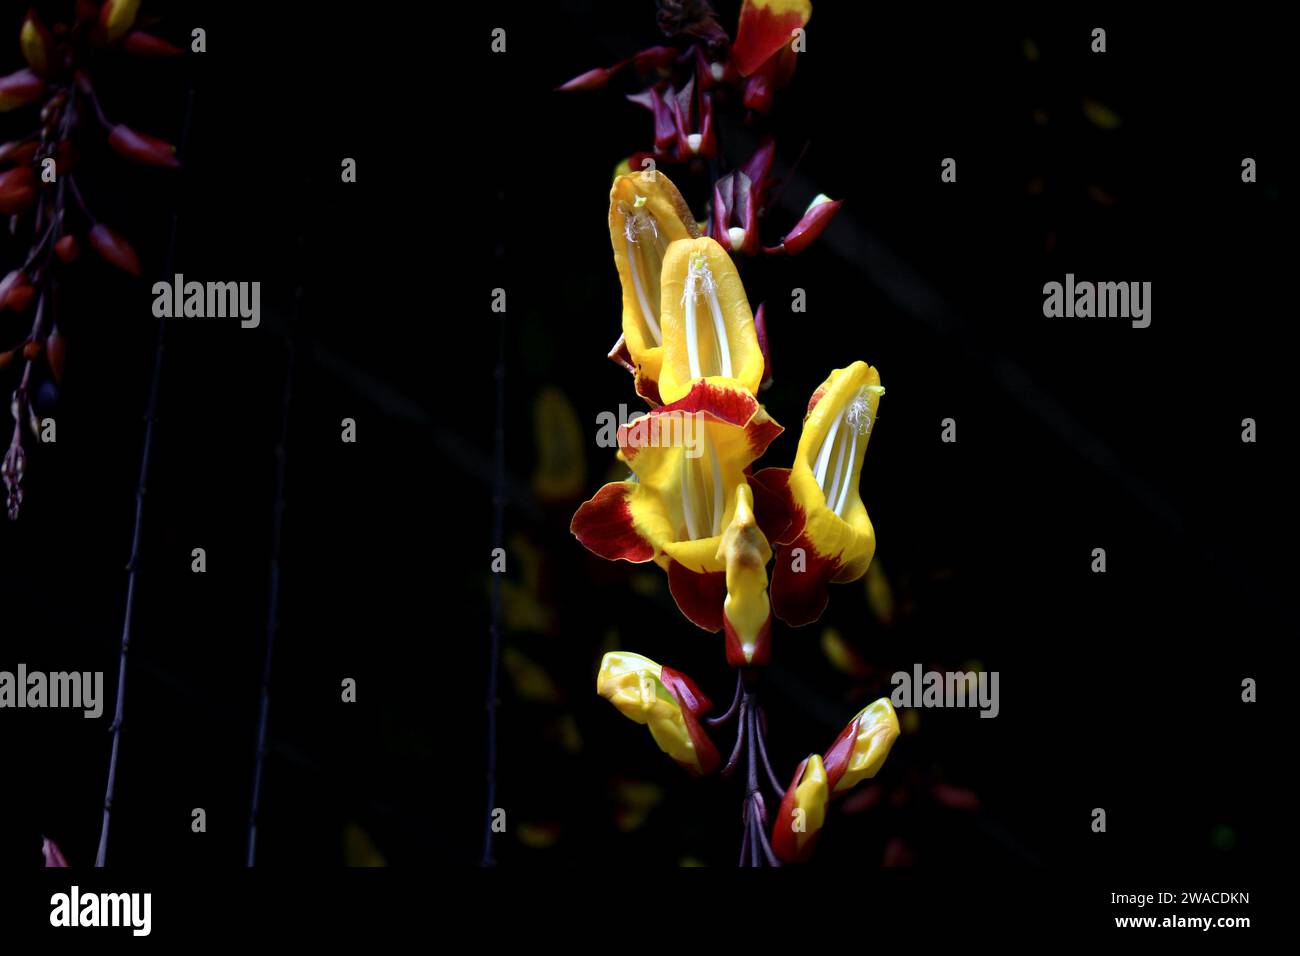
746,612
646,214
861,748
708,329
688,461
802,813
813,511
665,700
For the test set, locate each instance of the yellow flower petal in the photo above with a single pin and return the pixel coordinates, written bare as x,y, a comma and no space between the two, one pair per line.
708,329
747,612
646,215
634,685
860,751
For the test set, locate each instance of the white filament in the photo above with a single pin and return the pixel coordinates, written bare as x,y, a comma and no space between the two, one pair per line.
687,509
703,517
699,281
857,416
844,490
717,495
823,456
634,224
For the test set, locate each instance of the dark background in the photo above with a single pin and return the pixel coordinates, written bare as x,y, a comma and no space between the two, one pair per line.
1119,691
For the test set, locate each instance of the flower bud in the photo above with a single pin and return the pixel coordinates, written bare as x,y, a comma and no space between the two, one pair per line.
802,813
861,749
666,701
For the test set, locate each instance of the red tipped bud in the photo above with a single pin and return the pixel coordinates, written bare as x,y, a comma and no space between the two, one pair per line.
67,249
19,89
116,17
818,215
37,44
17,190
139,43
115,250
142,147
54,351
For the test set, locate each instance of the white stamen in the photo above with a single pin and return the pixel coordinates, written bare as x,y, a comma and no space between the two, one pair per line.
837,474
693,141
646,312
717,70
823,456
736,236
687,509
858,413
848,476
717,495
699,281
635,224
720,327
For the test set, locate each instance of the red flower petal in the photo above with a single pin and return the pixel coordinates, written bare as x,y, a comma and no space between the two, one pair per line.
729,406
762,32
698,595
809,227
694,705
774,507
657,103
800,597
604,526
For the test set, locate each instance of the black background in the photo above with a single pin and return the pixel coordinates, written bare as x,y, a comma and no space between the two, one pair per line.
1119,690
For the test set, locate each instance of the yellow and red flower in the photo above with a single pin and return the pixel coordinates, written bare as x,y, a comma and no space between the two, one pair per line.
813,512
763,52
802,812
708,329
646,215
861,748
688,461
665,700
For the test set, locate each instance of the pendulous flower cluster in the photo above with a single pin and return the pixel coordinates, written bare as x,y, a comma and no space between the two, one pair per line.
693,503
39,193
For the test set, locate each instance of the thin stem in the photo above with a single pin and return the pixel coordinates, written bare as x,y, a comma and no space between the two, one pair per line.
731,711
498,536
744,840
755,848
146,453
751,728
767,849
740,738
273,600
76,194
767,765
89,90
